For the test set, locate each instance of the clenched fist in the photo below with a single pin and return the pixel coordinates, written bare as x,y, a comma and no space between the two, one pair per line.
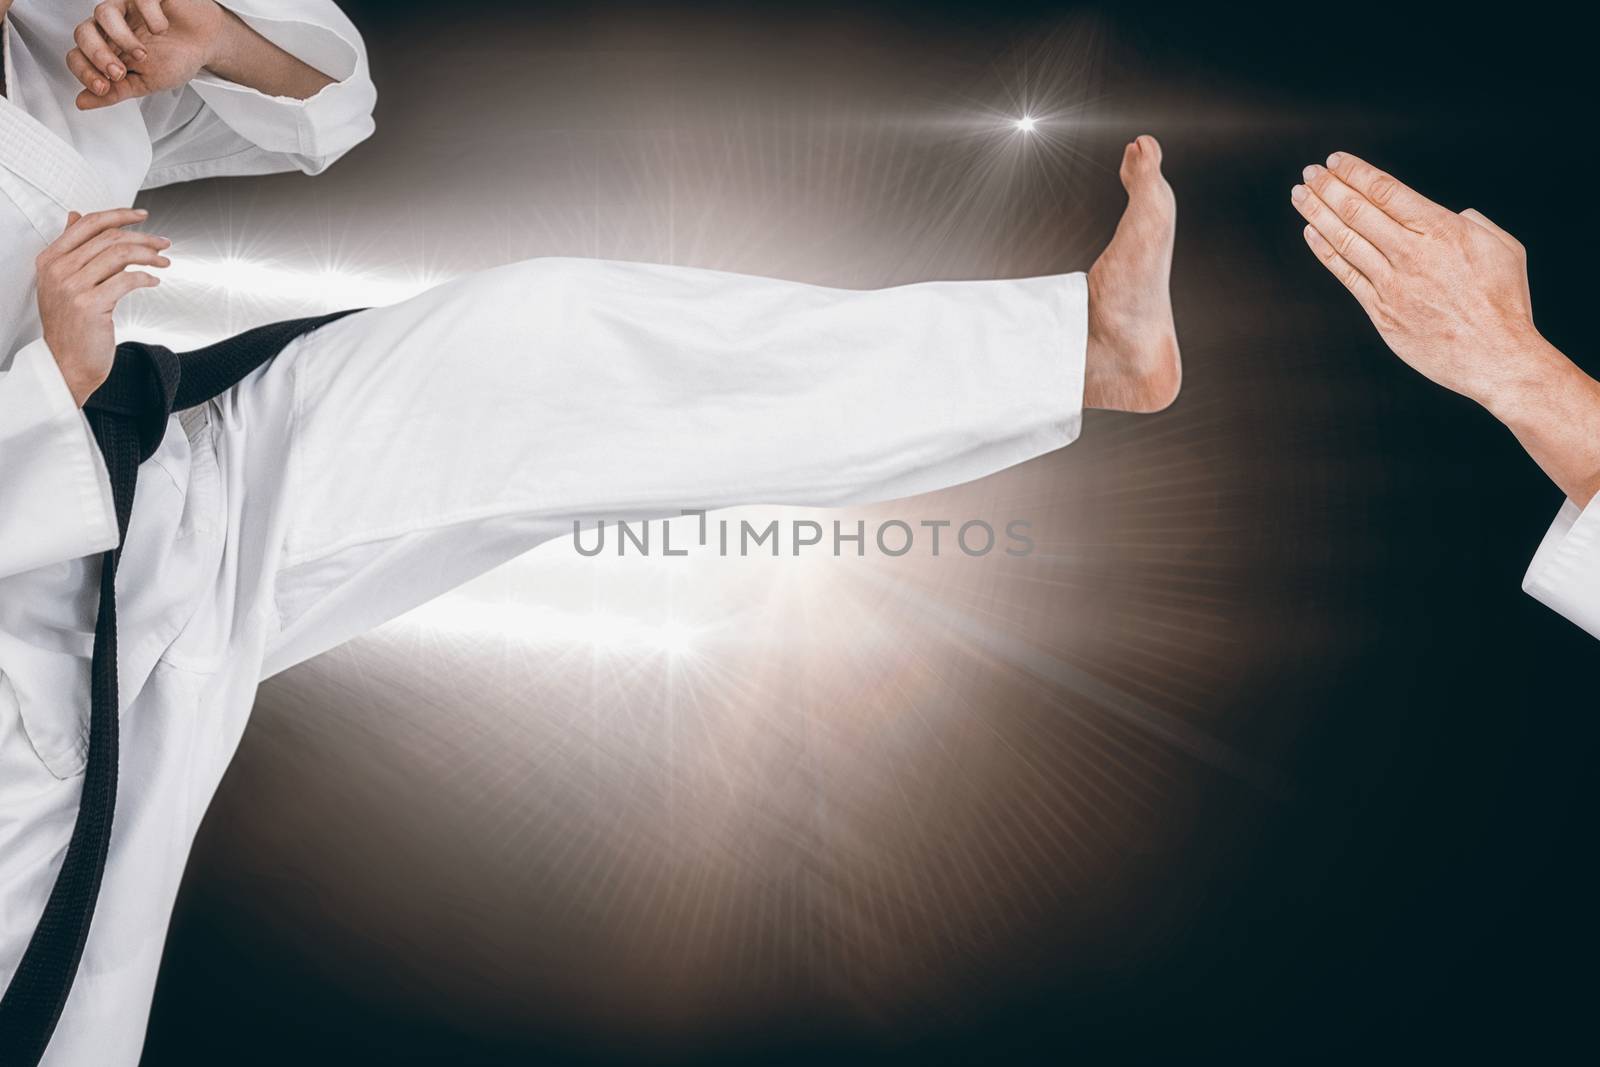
82,275
1448,292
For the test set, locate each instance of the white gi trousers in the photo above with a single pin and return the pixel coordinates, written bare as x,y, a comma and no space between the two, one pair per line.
392,455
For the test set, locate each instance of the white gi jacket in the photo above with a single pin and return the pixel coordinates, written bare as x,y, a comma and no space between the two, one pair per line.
1565,573
55,502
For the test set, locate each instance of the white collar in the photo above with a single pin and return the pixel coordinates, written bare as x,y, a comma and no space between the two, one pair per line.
35,154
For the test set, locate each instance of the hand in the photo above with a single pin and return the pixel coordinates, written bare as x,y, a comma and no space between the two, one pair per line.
1448,292
82,275
132,48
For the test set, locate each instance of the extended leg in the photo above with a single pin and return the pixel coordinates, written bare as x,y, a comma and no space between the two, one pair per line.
408,449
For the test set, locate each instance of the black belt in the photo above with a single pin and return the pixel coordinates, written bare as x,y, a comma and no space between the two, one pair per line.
128,415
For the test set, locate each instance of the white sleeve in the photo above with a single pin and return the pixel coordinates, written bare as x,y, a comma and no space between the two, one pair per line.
55,495
1565,573
212,127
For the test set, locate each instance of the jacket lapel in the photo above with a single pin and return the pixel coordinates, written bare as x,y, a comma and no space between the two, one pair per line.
42,174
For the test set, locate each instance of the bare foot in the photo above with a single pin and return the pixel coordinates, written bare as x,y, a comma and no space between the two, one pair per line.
1132,361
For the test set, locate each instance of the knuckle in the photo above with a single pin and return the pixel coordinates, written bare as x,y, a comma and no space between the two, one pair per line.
1382,190
1349,208
1346,242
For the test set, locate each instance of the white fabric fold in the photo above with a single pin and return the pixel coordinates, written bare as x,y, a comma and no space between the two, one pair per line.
1565,572
215,127
55,496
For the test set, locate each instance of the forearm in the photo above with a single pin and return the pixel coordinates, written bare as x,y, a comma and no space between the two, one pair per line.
1554,411
244,57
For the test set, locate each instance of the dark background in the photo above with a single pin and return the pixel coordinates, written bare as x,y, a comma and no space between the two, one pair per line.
1419,883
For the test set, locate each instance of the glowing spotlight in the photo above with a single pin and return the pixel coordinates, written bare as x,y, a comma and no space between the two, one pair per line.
286,282
465,617
674,639
1025,124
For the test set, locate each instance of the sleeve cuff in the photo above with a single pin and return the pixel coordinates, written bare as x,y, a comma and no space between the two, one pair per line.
58,503
1565,573
318,130
1075,329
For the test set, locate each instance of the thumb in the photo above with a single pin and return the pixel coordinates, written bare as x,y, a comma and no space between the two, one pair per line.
120,91
1472,214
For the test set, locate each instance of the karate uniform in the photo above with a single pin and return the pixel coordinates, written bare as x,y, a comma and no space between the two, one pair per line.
1565,572
394,454
55,511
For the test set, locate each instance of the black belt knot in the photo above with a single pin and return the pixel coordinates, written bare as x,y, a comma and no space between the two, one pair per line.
141,389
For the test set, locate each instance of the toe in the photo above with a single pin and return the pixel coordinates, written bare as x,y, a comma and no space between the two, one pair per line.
1149,149
1141,162
1141,169
1130,169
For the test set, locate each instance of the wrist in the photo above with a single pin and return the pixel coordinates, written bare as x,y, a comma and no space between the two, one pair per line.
1537,374
227,45
80,386
80,381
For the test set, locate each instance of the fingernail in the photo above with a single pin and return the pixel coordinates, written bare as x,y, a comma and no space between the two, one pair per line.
1298,194
1306,233
1310,172
141,212
140,55
1335,159
100,87
116,71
